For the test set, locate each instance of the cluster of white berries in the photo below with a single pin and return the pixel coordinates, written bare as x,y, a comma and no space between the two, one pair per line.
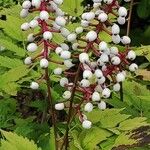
106,63
97,61
46,31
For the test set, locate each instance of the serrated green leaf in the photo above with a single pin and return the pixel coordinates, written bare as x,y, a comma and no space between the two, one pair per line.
10,63
131,124
18,142
12,47
91,140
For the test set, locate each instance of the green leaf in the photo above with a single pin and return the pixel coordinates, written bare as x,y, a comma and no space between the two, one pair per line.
93,137
18,142
10,63
52,139
12,47
132,123
73,8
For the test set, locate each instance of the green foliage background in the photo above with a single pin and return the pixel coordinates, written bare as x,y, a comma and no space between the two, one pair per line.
21,111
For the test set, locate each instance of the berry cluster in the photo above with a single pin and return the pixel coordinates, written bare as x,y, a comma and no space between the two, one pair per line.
42,42
95,68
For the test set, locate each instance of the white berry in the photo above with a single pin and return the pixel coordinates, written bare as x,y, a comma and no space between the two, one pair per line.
59,106
86,124
121,20
85,83
65,54
34,85
96,96
102,105
24,13
44,15
106,93
116,87
63,81
120,77
84,57
58,71
79,30
60,21
133,67
122,12
32,47
131,55
87,74
28,61
115,29
58,2
103,46
88,107
125,40
91,36
103,17
71,37
47,35
25,26
115,60
33,23
44,63
66,95
26,4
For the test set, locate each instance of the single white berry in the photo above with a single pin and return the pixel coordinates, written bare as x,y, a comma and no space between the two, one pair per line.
87,74
60,21
58,71
53,5
68,64
120,77
44,63
103,46
84,58
114,50
58,2
47,35
88,107
84,23
115,60
89,16
116,87
44,15
121,20
66,95
34,23
26,4
96,5
102,105
86,124
24,13
59,106
133,67
103,17
63,81
96,96
64,46
30,37
36,3
115,29
131,55
106,93
65,54
71,37
116,39
65,32
84,83
122,12
91,36
32,47
28,61
104,57
98,73
58,50
101,80
34,85
79,30
100,63
25,26
125,40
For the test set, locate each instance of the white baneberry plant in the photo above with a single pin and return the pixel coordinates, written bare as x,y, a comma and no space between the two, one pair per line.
95,68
